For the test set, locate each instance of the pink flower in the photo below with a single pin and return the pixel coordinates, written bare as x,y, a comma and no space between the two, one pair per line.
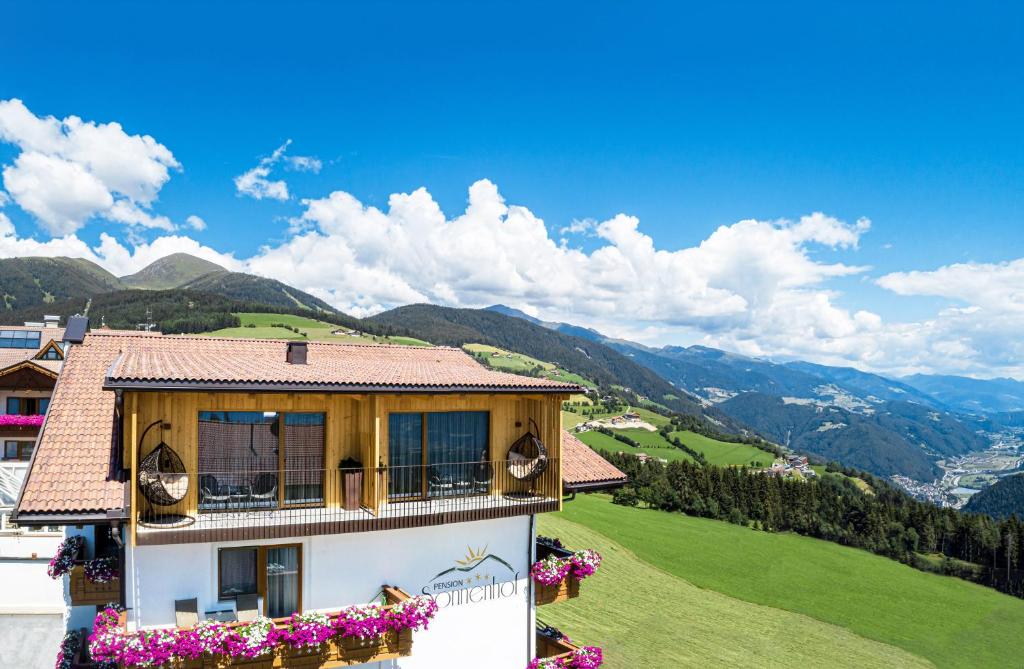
8,420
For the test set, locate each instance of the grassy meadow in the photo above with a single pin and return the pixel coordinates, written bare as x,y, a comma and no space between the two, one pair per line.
654,444
725,453
517,363
878,611
263,327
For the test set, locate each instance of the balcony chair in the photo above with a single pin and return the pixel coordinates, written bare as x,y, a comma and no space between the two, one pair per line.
186,612
248,607
264,488
210,491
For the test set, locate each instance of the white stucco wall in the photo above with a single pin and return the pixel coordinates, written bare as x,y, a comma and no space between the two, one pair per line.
486,622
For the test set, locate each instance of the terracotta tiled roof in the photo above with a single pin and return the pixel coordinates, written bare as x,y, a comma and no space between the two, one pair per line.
9,356
209,362
71,469
72,472
583,467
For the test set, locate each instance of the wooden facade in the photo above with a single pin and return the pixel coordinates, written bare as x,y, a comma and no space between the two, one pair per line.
356,427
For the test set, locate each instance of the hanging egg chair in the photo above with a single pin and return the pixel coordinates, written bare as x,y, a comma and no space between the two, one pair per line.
162,477
528,456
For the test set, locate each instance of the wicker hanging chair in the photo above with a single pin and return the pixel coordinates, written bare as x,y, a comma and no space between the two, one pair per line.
528,456
162,477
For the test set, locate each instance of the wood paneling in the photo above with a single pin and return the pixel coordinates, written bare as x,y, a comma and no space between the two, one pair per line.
356,426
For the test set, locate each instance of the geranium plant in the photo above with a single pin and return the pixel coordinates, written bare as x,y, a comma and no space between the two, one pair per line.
17,420
552,570
68,647
259,638
414,613
64,560
585,563
588,657
253,640
363,620
307,631
101,570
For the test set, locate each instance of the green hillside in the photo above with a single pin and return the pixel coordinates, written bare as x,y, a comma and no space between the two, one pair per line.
171,271
654,444
643,616
37,282
856,595
595,361
251,288
1001,500
517,363
725,453
256,325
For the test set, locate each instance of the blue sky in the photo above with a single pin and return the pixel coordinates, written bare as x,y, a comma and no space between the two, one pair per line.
686,116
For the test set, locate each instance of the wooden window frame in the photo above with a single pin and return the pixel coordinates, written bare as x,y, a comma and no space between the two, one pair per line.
281,503
23,398
20,447
425,453
261,572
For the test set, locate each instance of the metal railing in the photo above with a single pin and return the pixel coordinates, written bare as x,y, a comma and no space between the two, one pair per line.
249,504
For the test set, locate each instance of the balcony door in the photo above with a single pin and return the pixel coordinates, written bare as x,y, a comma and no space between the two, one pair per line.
438,454
260,460
272,572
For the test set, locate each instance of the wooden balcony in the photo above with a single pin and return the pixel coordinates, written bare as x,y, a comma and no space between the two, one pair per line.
248,505
86,593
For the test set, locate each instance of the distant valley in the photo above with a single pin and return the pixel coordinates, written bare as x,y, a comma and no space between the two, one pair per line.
932,431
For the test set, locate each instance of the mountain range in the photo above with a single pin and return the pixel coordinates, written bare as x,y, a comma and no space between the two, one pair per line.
879,424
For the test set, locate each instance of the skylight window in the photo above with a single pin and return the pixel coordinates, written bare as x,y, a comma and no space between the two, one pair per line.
19,338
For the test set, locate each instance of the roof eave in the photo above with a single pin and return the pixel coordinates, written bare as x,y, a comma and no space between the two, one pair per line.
594,486
38,519
341,388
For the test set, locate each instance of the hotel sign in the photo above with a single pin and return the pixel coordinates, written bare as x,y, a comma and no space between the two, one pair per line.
478,577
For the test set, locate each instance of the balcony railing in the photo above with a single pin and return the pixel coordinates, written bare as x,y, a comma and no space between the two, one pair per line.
241,504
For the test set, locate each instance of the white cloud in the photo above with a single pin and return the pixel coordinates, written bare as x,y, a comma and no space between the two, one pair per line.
256,182
578,226
69,171
196,223
304,164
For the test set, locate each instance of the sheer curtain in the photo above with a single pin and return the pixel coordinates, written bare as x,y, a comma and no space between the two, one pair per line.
237,571
456,444
282,581
405,454
304,457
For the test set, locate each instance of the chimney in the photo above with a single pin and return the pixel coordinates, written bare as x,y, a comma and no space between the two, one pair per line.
296,353
51,321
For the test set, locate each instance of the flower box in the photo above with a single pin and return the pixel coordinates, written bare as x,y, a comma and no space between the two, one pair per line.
359,650
86,593
306,657
550,594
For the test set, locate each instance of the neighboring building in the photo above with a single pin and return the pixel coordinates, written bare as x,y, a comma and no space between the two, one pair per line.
259,512
584,470
30,360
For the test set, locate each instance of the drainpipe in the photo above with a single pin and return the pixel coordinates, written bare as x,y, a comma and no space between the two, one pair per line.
530,556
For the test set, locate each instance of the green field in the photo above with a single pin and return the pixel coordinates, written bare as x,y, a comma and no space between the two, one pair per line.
678,591
517,363
725,453
654,445
314,330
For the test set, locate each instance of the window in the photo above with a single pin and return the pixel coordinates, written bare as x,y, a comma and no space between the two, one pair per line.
51,351
274,572
27,406
438,454
19,338
18,450
245,456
